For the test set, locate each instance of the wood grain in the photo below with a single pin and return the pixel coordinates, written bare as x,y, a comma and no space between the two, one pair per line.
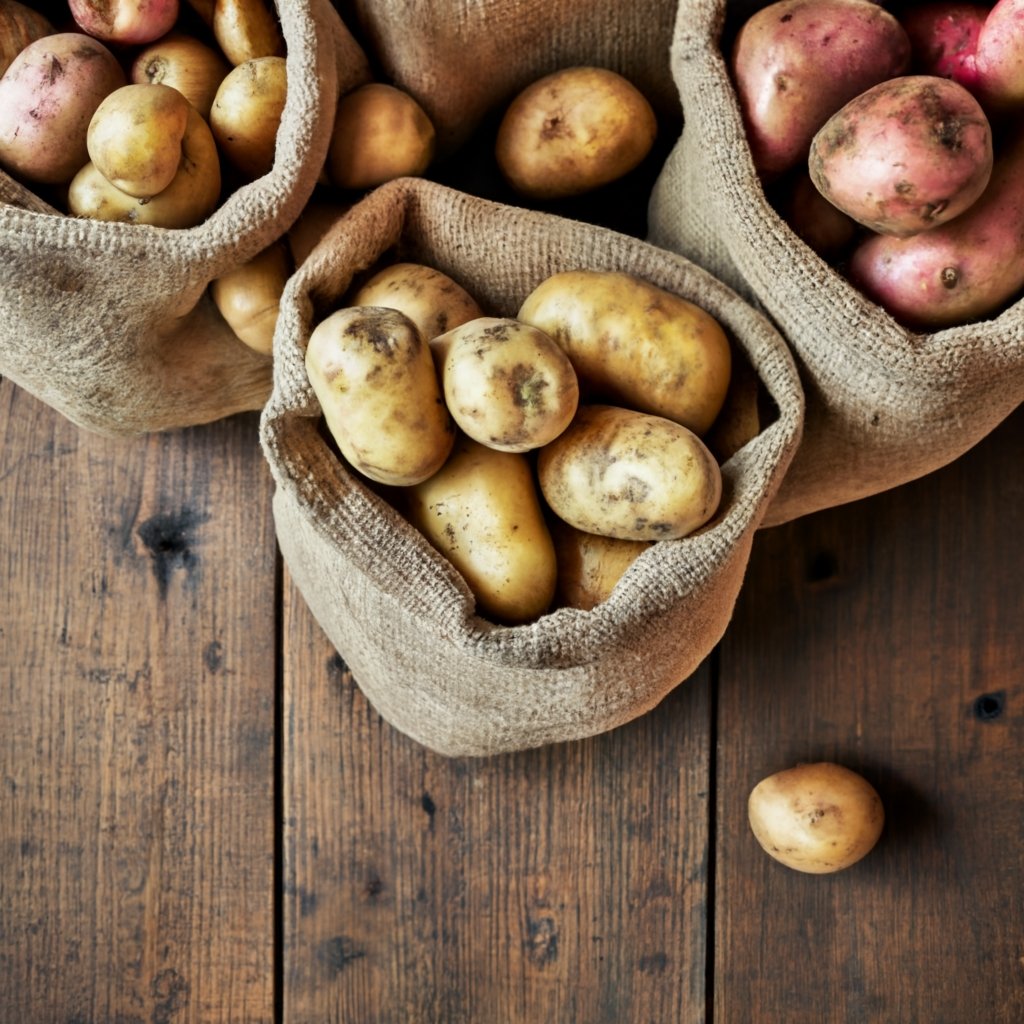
885,635
137,710
562,884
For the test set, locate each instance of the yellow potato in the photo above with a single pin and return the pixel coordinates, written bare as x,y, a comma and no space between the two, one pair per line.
573,131
589,566
430,299
374,377
135,137
380,133
246,114
249,296
184,63
817,818
190,198
635,344
621,473
246,29
507,384
482,512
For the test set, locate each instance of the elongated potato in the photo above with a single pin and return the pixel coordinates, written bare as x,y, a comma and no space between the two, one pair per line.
374,377
506,384
634,344
589,566
481,510
626,474
249,296
959,272
432,300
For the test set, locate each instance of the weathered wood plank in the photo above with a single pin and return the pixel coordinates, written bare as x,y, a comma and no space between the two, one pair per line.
563,884
885,635
137,709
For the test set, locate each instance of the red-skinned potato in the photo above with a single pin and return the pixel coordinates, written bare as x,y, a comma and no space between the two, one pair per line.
905,155
999,57
959,272
19,26
125,21
47,98
944,37
796,62
184,63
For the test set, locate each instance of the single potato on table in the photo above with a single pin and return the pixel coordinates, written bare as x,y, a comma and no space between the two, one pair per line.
573,131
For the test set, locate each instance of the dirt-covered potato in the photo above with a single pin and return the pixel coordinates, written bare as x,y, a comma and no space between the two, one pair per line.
481,510
589,566
506,384
380,133
375,380
432,300
191,197
621,473
47,98
634,344
817,818
572,131
796,62
905,155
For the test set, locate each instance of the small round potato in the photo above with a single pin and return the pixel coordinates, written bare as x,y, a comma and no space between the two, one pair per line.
634,344
817,818
506,384
430,299
621,473
573,131
374,377
481,510
380,133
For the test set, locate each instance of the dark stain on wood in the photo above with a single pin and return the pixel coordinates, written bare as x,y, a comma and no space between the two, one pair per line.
213,656
170,992
339,952
170,538
989,707
541,940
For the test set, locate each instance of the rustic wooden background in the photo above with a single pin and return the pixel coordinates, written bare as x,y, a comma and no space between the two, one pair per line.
202,820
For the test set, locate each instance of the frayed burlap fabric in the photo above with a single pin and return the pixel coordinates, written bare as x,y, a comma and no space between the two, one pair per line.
111,324
465,59
884,405
397,612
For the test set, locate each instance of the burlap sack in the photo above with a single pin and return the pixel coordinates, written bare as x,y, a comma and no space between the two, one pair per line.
110,324
465,59
884,405
398,612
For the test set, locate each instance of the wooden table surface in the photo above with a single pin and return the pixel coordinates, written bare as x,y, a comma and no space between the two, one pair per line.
201,819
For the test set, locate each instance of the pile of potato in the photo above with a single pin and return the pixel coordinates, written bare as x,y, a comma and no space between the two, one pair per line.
888,139
539,453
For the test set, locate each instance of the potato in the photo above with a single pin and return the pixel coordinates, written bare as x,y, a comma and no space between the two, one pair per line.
19,26
482,512
246,30
963,271
944,37
191,197
184,63
47,98
430,299
246,114
573,131
999,57
379,133
634,344
135,138
817,818
621,473
249,296
796,62
125,22
589,566
374,377
506,384
905,155
822,226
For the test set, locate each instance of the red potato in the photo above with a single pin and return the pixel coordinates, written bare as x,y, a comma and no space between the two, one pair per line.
944,37
905,156
125,21
796,62
47,98
999,57
19,26
963,271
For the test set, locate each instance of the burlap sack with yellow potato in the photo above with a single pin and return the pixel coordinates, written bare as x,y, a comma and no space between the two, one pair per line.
884,405
111,324
396,610
465,59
